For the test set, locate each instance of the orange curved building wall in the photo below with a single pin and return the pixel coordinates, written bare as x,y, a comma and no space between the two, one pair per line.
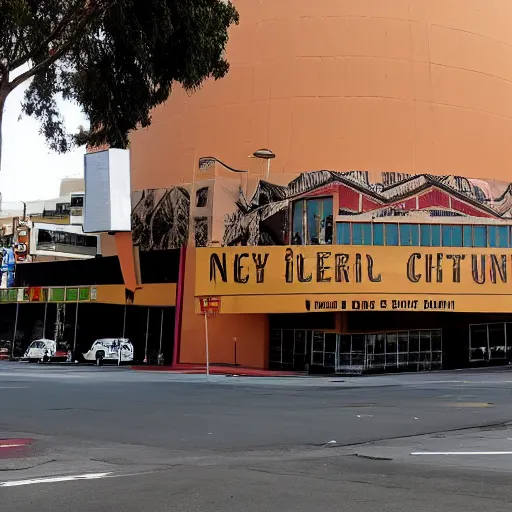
407,86
413,86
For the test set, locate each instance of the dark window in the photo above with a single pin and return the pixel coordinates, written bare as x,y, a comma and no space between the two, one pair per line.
160,266
62,208
77,201
91,241
202,197
44,237
59,241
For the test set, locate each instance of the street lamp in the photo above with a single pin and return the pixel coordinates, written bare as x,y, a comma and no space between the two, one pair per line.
205,161
264,154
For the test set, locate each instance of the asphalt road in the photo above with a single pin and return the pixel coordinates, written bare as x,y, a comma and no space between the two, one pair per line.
157,442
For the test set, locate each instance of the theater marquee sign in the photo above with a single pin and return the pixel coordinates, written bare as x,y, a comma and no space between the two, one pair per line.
338,278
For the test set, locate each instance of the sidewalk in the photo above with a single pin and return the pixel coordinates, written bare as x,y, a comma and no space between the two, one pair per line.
191,369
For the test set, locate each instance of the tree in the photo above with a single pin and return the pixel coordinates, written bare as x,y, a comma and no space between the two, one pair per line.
117,59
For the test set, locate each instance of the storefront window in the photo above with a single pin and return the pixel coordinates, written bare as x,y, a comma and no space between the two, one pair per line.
391,349
330,350
468,236
498,236
319,212
480,236
391,234
452,236
426,235
343,233
378,234
362,234
409,234
298,223
497,343
312,222
318,348
478,343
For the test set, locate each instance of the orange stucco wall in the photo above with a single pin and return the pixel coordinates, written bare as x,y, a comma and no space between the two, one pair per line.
249,332
411,86
160,294
408,86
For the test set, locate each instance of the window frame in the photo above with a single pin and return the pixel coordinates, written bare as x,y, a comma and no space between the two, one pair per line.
305,226
363,240
387,226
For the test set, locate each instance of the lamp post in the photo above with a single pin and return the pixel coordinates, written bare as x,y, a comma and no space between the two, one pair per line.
207,159
264,154
204,163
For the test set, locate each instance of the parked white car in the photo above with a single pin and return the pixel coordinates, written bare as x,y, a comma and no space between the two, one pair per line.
38,349
4,349
107,350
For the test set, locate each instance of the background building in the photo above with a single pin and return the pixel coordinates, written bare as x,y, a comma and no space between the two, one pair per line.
49,229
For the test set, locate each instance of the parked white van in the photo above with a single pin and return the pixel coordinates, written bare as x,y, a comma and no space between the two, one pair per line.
40,349
107,350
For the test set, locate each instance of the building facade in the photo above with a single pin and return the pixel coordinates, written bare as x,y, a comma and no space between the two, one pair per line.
379,238
382,232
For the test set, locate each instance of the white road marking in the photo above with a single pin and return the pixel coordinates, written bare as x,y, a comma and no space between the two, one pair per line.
461,453
50,480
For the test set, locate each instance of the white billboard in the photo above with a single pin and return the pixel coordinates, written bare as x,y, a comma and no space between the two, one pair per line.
107,206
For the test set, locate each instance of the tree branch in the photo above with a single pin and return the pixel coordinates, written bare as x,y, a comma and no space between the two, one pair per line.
56,32
92,11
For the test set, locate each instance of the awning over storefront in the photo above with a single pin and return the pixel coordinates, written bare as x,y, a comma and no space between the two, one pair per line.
163,295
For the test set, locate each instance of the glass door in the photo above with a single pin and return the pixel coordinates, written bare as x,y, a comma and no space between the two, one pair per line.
317,351
300,351
497,342
478,343
288,349
274,360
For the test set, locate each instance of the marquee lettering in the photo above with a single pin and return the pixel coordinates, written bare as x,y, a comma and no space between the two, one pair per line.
327,267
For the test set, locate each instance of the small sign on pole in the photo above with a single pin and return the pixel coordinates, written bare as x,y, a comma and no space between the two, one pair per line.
210,306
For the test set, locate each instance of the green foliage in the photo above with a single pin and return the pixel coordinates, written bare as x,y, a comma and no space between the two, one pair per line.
117,59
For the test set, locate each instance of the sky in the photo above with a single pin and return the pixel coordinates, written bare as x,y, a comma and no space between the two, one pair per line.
30,170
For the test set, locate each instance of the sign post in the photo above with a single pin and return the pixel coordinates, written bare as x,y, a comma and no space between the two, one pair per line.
207,346
209,308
